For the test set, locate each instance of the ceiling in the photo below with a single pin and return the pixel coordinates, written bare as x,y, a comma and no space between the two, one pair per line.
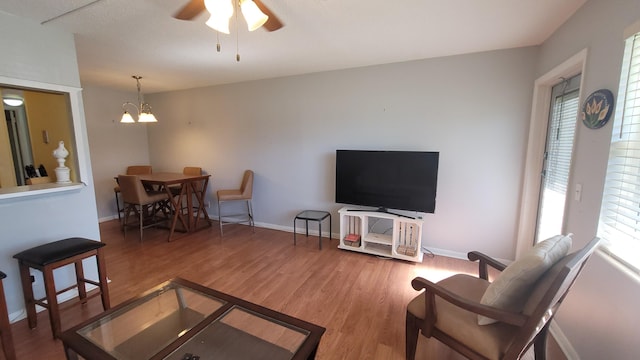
119,38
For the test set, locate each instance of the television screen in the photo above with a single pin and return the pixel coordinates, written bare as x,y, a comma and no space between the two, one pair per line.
401,180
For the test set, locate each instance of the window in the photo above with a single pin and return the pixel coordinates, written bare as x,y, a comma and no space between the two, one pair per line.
31,132
557,158
619,225
77,160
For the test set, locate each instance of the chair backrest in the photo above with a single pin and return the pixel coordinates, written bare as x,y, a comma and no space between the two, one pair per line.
139,170
547,295
192,170
132,190
246,188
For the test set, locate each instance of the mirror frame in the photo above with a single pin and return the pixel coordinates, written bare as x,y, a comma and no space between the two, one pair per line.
81,150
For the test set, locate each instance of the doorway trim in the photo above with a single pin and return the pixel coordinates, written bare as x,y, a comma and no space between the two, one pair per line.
536,145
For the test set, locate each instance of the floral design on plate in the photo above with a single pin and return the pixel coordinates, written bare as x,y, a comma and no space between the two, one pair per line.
597,109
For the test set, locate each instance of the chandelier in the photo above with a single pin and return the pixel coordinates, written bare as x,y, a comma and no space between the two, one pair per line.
143,109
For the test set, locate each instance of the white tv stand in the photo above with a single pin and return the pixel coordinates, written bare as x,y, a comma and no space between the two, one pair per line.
382,234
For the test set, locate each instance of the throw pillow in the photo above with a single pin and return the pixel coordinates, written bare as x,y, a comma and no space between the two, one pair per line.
510,289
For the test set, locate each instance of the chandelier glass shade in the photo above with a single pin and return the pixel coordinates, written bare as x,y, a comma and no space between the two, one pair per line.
143,109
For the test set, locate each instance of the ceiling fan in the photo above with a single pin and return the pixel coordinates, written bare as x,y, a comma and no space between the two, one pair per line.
194,7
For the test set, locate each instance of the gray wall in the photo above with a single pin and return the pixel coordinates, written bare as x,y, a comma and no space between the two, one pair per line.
114,146
600,315
474,109
42,54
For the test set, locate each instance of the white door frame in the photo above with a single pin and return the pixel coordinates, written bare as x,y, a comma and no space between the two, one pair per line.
536,146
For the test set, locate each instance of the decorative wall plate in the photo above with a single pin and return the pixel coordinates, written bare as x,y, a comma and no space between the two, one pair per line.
597,109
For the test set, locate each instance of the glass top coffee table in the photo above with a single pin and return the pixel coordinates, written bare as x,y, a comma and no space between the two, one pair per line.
181,320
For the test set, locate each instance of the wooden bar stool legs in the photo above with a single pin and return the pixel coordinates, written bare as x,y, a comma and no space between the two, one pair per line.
51,256
5,326
27,291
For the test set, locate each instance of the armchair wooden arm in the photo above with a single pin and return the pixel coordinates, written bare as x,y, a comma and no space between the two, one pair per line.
485,260
433,289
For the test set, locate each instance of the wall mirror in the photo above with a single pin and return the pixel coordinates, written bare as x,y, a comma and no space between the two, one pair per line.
36,119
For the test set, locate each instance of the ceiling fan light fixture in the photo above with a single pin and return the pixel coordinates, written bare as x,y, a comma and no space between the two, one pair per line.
252,14
219,24
219,8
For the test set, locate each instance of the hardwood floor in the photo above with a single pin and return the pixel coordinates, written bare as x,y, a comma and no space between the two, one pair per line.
360,299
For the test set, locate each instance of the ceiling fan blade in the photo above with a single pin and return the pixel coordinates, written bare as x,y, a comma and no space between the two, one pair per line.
191,10
273,23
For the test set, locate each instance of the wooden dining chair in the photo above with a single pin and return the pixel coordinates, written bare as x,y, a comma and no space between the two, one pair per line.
197,189
142,203
131,170
245,194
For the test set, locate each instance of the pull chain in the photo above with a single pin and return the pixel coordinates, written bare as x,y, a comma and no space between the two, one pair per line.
237,34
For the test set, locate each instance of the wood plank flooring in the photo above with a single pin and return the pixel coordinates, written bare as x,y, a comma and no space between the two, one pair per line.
360,299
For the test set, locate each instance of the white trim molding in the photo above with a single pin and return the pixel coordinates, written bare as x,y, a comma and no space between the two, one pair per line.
536,144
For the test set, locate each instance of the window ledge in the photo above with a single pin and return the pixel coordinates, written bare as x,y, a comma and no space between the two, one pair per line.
35,190
618,264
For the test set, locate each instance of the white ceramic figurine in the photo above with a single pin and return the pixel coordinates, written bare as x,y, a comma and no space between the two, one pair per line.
62,172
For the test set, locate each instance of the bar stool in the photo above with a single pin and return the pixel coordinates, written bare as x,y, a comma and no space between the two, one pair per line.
5,326
51,256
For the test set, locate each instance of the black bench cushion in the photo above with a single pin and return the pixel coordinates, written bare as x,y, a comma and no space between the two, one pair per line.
58,250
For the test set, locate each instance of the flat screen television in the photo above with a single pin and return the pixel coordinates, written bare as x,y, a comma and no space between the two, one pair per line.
400,180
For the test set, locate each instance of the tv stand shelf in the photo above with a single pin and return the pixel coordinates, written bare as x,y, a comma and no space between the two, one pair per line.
381,234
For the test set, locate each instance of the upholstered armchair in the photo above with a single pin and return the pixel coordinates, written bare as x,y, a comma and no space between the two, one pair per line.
499,319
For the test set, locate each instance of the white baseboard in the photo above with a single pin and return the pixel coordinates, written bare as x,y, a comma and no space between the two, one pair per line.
455,254
107,218
65,296
435,251
563,342
62,297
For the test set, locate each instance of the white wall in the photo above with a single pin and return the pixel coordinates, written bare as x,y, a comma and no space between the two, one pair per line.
474,109
599,317
44,55
114,146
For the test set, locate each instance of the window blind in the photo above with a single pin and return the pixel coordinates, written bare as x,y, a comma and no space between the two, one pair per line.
560,141
619,224
558,155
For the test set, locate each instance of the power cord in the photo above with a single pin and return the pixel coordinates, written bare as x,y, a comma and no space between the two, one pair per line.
427,252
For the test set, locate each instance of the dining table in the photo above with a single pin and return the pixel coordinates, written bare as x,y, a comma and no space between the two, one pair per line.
181,187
